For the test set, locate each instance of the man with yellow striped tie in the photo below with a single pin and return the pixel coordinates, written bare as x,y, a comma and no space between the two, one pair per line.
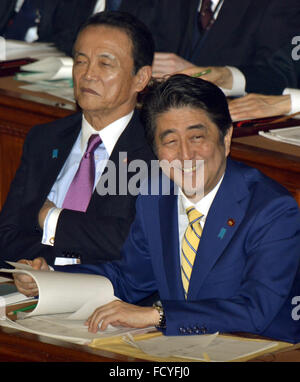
221,245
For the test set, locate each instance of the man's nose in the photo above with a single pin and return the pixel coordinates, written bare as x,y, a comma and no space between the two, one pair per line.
91,73
185,151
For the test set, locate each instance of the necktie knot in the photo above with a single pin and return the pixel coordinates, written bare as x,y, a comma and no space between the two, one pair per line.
93,143
193,215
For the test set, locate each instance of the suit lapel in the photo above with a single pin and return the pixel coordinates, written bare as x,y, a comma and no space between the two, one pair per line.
168,213
232,10
223,220
58,152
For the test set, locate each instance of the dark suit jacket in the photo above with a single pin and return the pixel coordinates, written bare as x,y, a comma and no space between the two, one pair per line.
65,29
244,276
49,12
96,234
245,35
280,71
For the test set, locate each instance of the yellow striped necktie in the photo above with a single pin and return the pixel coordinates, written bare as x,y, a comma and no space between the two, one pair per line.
190,243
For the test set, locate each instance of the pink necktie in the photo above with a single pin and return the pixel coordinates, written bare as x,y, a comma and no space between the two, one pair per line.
81,188
206,14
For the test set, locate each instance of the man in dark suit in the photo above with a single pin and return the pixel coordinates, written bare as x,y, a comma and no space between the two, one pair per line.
112,64
285,62
48,21
243,35
16,19
222,251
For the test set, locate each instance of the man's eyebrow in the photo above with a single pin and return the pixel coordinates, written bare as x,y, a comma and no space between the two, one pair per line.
106,55
192,127
197,127
76,53
165,133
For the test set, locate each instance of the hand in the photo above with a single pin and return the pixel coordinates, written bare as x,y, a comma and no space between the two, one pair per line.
26,283
218,75
167,63
259,106
44,211
119,313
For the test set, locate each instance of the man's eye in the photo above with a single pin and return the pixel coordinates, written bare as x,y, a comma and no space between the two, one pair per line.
79,61
105,63
197,137
170,142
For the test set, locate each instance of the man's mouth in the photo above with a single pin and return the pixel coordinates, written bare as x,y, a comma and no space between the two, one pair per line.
189,169
89,91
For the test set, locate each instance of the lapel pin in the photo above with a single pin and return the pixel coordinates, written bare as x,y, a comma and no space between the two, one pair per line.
231,222
222,233
54,153
125,160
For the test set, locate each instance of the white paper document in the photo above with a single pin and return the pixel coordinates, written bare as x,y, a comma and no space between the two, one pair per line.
49,68
288,135
15,49
60,88
64,303
211,348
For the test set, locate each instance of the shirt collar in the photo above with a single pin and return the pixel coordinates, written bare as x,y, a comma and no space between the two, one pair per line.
203,205
109,135
213,6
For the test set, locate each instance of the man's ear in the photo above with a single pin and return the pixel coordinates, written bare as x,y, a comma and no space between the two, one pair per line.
143,77
227,140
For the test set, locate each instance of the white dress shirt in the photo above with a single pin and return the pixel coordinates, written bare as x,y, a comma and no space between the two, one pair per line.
202,206
99,6
109,136
295,99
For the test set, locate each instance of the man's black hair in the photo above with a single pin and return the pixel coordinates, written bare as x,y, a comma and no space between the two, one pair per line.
180,91
136,30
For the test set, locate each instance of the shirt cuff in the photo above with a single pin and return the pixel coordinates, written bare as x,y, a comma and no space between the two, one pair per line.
50,224
295,99
238,84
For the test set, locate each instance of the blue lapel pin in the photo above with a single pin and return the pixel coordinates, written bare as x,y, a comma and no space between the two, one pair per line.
222,233
54,153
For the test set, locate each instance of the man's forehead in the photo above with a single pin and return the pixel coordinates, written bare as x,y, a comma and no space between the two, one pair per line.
104,39
185,118
103,31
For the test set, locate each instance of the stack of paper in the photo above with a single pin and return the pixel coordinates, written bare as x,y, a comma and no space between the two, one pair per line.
288,135
50,68
211,348
65,302
60,88
14,49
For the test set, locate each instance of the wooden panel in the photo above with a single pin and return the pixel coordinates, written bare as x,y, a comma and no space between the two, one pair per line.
16,346
273,160
19,112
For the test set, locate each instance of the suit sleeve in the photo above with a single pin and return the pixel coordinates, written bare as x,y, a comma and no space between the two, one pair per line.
132,276
271,68
90,236
20,236
272,260
272,76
